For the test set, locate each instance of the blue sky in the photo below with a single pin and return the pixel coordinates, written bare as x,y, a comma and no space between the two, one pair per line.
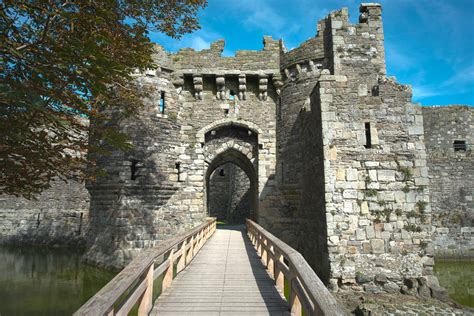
429,43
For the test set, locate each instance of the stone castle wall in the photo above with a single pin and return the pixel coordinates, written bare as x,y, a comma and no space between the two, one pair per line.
332,151
451,179
217,110
59,217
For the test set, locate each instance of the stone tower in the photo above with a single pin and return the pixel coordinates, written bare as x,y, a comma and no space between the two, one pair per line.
333,151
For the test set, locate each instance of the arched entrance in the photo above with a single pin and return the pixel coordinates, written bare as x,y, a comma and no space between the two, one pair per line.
232,187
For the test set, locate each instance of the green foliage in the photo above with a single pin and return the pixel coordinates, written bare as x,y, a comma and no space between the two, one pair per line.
370,192
173,116
63,61
406,172
406,189
421,205
398,211
379,214
420,189
413,228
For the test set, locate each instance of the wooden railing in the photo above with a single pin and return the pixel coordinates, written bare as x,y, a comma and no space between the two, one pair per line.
134,284
307,291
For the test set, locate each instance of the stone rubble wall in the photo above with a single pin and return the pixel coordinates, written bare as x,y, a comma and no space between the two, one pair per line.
176,150
451,179
126,214
377,199
59,217
295,122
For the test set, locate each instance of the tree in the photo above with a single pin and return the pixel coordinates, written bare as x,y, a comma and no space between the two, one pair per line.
62,61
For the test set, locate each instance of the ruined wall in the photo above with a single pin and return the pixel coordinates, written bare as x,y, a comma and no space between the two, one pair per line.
451,178
332,149
365,207
215,108
59,217
376,177
127,211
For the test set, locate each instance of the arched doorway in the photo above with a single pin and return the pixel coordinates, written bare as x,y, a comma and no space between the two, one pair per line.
232,187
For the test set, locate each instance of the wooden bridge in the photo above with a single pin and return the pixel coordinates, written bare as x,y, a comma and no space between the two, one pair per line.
209,271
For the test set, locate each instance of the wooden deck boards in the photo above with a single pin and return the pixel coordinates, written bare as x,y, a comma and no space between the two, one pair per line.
225,278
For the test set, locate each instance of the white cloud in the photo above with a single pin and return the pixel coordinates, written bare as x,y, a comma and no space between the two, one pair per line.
198,43
461,78
398,58
423,92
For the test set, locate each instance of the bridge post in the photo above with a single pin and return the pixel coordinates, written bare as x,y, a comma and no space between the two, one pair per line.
190,255
279,277
264,252
259,245
295,303
270,262
147,299
182,260
169,273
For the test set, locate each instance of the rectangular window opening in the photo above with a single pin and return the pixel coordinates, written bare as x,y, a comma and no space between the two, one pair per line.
222,173
368,137
178,170
282,173
459,145
162,102
134,169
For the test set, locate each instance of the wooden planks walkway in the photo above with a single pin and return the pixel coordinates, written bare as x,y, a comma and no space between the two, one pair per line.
225,278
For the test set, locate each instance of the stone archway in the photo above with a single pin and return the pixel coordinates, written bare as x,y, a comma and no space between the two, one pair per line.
235,213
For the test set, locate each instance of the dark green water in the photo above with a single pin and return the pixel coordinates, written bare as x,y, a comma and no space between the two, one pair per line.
457,276
46,281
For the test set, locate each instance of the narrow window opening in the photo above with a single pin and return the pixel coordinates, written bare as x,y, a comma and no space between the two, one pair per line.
221,172
279,108
375,91
178,170
260,146
134,169
226,111
162,102
231,95
459,145
282,173
368,137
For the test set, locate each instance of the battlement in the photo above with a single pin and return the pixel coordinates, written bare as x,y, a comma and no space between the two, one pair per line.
211,61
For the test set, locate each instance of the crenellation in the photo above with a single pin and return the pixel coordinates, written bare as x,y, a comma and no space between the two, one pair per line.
317,144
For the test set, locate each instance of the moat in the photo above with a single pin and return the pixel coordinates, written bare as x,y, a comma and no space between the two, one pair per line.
45,281
457,276
49,281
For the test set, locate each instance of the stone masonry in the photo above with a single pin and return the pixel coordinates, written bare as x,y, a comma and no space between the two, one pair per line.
317,144
451,178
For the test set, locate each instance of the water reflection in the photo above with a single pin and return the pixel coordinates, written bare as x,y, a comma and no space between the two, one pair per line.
46,281
457,276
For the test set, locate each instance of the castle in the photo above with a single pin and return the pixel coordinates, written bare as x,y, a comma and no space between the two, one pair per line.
317,144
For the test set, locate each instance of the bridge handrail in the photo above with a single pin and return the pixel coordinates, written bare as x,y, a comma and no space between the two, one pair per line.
135,282
307,291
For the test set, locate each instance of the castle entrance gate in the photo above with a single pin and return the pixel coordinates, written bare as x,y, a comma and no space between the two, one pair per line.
231,176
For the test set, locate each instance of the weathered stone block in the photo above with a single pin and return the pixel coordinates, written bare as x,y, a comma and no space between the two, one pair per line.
378,245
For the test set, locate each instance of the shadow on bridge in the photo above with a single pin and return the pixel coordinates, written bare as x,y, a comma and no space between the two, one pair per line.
225,278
